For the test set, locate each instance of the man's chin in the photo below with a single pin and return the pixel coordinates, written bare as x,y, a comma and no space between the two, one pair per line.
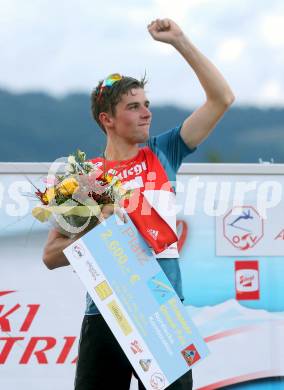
143,138
145,135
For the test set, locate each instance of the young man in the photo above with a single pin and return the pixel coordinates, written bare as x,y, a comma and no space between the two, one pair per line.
120,107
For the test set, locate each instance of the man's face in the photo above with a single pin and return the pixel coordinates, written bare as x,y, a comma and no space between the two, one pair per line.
132,117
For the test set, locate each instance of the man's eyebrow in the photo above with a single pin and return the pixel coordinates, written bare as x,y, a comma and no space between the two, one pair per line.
133,103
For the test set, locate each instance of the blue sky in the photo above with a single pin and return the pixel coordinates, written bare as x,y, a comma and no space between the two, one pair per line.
65,46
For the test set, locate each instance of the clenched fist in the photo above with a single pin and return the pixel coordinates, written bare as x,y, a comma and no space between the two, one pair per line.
165,30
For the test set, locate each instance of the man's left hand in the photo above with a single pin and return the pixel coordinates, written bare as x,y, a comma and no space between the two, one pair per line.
165,30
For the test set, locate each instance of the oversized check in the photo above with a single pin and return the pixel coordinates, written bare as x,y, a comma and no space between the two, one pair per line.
137,301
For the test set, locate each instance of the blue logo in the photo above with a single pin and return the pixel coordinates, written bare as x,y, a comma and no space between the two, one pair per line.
161,288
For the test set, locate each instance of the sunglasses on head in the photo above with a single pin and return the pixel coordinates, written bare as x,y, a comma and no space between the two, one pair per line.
108,82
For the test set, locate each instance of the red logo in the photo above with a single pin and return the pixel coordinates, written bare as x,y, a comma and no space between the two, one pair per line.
182,230
135,347
243,227
247,280
190,354
6,292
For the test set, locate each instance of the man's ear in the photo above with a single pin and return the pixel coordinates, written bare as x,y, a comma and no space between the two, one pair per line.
105,119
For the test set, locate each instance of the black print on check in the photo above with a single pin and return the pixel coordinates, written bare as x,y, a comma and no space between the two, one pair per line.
158,381
78,251
145,364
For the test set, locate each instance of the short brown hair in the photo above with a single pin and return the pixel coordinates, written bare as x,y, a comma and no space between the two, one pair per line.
106,99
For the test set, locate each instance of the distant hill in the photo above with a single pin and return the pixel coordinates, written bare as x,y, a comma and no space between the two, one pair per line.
39,127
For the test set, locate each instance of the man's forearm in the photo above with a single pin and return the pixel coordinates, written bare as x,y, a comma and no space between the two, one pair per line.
214,84
53,256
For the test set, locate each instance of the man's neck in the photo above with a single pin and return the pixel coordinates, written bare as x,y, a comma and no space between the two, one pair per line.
114,152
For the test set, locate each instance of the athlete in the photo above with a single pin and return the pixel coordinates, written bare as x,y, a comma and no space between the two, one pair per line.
121,108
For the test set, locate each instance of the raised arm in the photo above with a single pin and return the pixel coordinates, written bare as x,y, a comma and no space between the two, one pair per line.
219,96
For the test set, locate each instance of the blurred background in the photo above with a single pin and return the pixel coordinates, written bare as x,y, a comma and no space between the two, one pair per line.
53,53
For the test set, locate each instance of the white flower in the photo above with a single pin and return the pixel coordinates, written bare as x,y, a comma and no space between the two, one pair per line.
71,160
69,168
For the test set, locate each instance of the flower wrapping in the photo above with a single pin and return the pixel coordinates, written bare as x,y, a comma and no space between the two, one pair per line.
72,201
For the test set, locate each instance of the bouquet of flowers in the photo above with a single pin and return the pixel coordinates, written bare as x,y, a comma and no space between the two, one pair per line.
72,201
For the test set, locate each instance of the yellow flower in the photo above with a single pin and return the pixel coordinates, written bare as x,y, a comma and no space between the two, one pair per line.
68,186
48,195
108,178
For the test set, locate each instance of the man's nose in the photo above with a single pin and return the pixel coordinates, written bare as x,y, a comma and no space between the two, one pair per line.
146,112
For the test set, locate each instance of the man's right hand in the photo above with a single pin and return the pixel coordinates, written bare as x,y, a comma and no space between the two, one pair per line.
109,209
